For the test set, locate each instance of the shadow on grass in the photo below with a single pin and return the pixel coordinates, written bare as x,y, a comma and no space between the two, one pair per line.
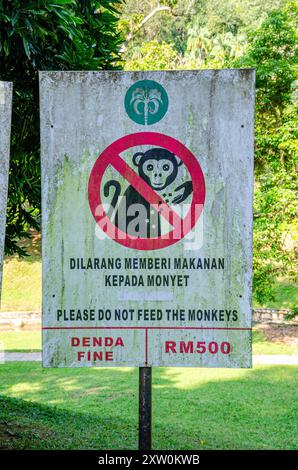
192,408
26,425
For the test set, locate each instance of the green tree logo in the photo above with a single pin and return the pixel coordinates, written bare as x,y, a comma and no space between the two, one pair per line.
146,102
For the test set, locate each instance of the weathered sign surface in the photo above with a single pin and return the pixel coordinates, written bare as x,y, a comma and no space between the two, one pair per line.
147,189
5,121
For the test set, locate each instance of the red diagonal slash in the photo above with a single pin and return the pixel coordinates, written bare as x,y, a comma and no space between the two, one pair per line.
146,191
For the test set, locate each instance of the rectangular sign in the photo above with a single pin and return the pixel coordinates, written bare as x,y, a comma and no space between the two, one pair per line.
147,192
5,122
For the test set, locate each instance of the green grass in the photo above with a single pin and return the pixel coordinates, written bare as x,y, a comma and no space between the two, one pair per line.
97,408
261,345
21,341
192,408
30,341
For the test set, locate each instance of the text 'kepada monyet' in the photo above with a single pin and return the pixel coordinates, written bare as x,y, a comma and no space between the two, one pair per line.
147,187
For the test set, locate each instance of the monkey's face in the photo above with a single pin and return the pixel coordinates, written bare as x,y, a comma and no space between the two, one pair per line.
158,172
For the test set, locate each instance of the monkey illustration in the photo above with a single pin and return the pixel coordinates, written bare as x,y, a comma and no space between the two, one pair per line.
158,168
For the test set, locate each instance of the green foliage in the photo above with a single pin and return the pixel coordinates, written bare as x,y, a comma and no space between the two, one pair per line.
206,50
44,35
276,211
205,33
166,34
153,56
234,16
163,21
273,52
293,314
217,33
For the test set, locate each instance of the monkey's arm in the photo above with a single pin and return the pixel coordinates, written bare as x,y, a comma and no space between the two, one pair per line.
187,190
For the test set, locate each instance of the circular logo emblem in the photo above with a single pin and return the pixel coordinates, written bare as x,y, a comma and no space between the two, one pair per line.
146,102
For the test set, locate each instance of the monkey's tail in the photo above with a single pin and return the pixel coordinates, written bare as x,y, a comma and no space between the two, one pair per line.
106,190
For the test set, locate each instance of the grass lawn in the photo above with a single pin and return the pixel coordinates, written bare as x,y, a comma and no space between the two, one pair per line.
262,344
192,408
21,341
30,341
21,289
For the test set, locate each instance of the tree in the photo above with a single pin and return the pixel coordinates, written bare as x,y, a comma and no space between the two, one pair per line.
235,16
163,21
273,51
153,56
213,51
44,35
217,30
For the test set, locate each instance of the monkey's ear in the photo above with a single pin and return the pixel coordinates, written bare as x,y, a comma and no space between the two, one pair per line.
137,157
179,162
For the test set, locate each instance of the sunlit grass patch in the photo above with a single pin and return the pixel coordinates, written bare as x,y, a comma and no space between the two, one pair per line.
192,408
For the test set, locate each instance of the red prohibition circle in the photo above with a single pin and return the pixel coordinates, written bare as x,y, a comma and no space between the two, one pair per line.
110,156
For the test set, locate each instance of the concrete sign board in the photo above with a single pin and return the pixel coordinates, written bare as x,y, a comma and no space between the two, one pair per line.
5,122
147,191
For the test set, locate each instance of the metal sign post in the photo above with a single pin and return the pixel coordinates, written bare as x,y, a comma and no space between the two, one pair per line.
145,407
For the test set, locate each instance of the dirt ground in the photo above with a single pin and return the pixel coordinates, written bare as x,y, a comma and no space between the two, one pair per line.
279,332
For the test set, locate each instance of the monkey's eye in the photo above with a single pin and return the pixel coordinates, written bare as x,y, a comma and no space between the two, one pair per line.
150,167
166,167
